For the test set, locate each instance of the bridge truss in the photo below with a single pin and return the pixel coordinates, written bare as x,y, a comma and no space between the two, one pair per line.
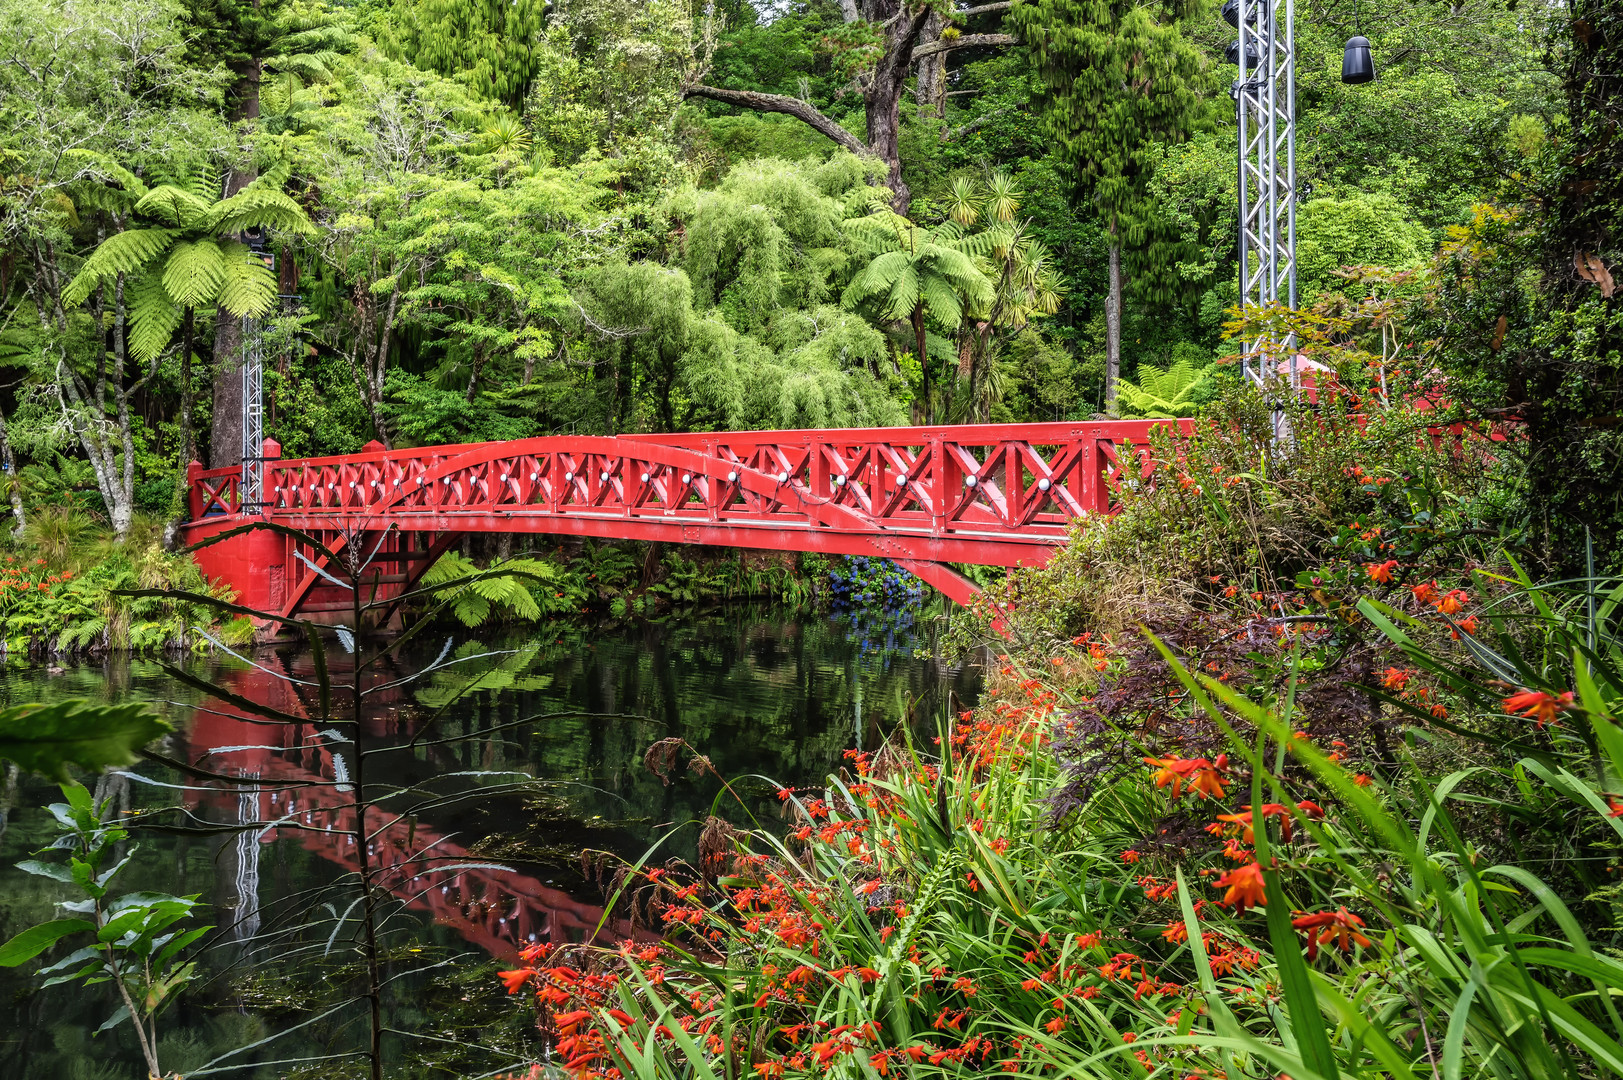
992,494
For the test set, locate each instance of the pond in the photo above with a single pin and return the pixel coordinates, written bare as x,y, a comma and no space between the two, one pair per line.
506,759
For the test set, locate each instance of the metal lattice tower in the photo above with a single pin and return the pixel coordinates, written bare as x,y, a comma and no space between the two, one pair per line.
1265,100
250,492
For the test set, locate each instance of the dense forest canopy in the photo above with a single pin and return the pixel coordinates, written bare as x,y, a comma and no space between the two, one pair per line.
451,221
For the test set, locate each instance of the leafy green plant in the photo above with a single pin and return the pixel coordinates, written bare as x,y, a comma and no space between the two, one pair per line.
136,941
1177,390
46,739
519,588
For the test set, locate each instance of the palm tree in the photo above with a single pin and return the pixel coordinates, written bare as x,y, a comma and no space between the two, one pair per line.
919,275
1024,283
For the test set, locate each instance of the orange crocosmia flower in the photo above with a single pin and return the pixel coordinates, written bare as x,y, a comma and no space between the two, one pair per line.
515,980
1245,888
1362,780
1241,821
1381,572
1176,932
1396,678
1617,808
1339,927
1202,776
1453,601
1056,1025
1426,593
1130,856
1538,705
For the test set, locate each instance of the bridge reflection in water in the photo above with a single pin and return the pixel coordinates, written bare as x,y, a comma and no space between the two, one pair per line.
294,786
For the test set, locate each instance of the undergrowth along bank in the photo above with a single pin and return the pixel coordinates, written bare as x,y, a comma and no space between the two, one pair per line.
1295,767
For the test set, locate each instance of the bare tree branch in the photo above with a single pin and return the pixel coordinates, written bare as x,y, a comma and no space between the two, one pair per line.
964,41
975,124
984,9
780,103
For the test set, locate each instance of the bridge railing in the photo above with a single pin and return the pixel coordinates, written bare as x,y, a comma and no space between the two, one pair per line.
1030,479
212,492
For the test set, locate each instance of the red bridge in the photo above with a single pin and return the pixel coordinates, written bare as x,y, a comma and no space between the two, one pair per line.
989,494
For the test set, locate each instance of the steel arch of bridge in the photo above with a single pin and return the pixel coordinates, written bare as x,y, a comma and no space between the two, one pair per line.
991,494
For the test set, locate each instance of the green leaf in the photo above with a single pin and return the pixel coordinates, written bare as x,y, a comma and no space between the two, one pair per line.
1307,1022
46,739
36,939
193,273
247,287
44,869
121,253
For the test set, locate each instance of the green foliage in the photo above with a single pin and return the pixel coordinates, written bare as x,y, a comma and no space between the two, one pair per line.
46,739
1177,390
520,589
425,415
197,268
489,46
1088,51
1364,230
136,941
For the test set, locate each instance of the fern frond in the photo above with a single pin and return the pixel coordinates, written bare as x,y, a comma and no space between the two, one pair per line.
259,207
324,41
448,567
203,183
470,608
274,178
174,204
194,272
311,67
943,302
154,317
247,286
121,253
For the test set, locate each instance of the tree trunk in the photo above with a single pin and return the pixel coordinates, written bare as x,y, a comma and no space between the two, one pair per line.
13,491
225,437
924,359
930,91
1113,322
188,437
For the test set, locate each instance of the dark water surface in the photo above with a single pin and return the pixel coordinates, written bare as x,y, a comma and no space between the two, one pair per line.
489,861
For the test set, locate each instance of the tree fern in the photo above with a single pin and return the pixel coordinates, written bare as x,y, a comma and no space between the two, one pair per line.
121,253
1158,392
203,182
310,67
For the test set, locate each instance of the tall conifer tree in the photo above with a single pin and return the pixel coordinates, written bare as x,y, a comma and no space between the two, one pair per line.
1123,78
